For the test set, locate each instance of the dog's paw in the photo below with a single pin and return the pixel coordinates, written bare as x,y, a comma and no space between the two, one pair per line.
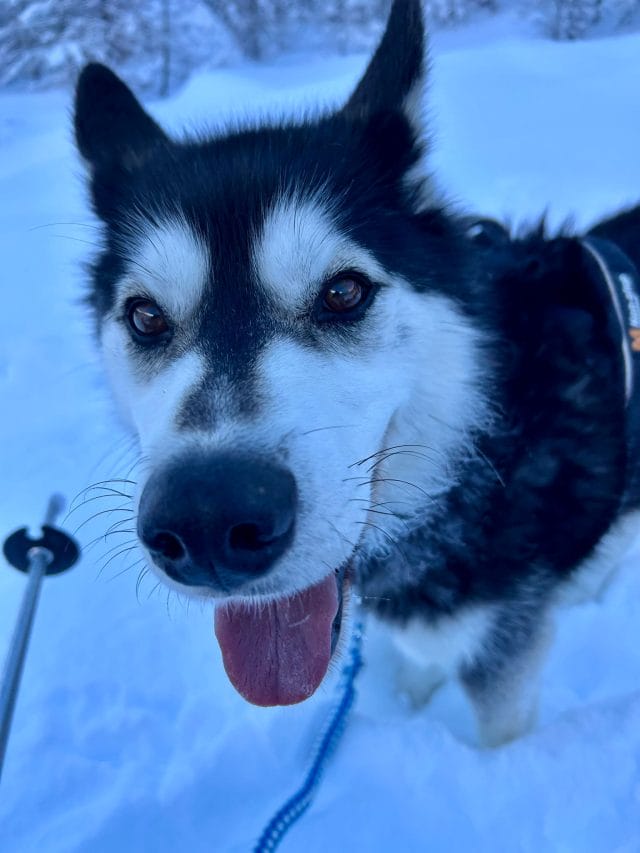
418,683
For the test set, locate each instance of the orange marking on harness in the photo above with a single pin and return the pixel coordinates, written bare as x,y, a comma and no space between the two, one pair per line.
635,339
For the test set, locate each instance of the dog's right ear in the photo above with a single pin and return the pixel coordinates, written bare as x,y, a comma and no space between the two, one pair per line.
111,128
387,103
395,77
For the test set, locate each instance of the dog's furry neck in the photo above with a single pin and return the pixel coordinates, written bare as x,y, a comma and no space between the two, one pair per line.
550,462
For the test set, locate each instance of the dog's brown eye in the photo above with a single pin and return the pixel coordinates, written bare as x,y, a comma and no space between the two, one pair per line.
146,319
345,294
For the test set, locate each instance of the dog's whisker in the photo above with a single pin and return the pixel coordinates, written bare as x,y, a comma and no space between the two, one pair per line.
386,504
394,480
367,506
126,569
79,506
344,538
491,467
126,451
322,429
113,530
392,447
400,482
116,528
413,453
394,502
476,450
74,239
91,225
141,460
388,515
106,492
107,482
144,571
442,422
102,537
115,556
370,508
128,510
123,443
121,545
388,536
154,589
102,483
126,505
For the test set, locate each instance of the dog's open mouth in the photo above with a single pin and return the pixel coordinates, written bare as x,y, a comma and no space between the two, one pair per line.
278,652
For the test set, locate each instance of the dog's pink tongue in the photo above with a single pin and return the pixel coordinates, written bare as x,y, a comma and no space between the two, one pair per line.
278,653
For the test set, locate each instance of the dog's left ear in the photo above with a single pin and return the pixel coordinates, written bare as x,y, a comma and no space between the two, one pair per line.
112,129
395,77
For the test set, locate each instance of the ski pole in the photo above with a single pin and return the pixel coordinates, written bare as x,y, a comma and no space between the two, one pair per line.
52,553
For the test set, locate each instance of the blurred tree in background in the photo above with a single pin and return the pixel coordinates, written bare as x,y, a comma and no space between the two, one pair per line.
157,44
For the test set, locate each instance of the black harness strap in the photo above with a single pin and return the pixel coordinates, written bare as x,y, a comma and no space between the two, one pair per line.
621,279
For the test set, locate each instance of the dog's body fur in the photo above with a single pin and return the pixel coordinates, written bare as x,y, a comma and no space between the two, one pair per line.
457,441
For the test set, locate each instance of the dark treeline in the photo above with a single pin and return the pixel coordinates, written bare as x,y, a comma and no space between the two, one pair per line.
158,43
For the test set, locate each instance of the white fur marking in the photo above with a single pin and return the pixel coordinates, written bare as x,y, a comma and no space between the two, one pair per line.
595,573
148,403
170,264
510,710
418,176
449,643
300,247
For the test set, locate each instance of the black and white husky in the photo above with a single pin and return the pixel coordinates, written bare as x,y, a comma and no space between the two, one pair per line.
336,380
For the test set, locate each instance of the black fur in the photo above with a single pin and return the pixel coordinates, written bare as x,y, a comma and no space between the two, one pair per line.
550,477
623,230
404,42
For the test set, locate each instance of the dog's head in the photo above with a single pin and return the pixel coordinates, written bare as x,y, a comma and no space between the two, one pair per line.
285,314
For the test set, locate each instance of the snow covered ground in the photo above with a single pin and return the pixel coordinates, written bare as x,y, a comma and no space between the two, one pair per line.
128,736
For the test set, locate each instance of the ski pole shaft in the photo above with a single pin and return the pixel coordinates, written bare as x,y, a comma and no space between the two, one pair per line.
39,558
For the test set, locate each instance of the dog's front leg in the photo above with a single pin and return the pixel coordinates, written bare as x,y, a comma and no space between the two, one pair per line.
503,681
418,682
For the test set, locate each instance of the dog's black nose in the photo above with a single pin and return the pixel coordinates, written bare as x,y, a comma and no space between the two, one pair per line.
217,520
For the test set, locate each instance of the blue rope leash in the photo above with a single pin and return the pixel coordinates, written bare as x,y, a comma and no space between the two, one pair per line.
299,802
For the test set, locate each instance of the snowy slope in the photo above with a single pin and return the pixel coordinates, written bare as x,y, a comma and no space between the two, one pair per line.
128,736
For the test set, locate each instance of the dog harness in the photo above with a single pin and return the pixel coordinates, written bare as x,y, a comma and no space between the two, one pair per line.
619,280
